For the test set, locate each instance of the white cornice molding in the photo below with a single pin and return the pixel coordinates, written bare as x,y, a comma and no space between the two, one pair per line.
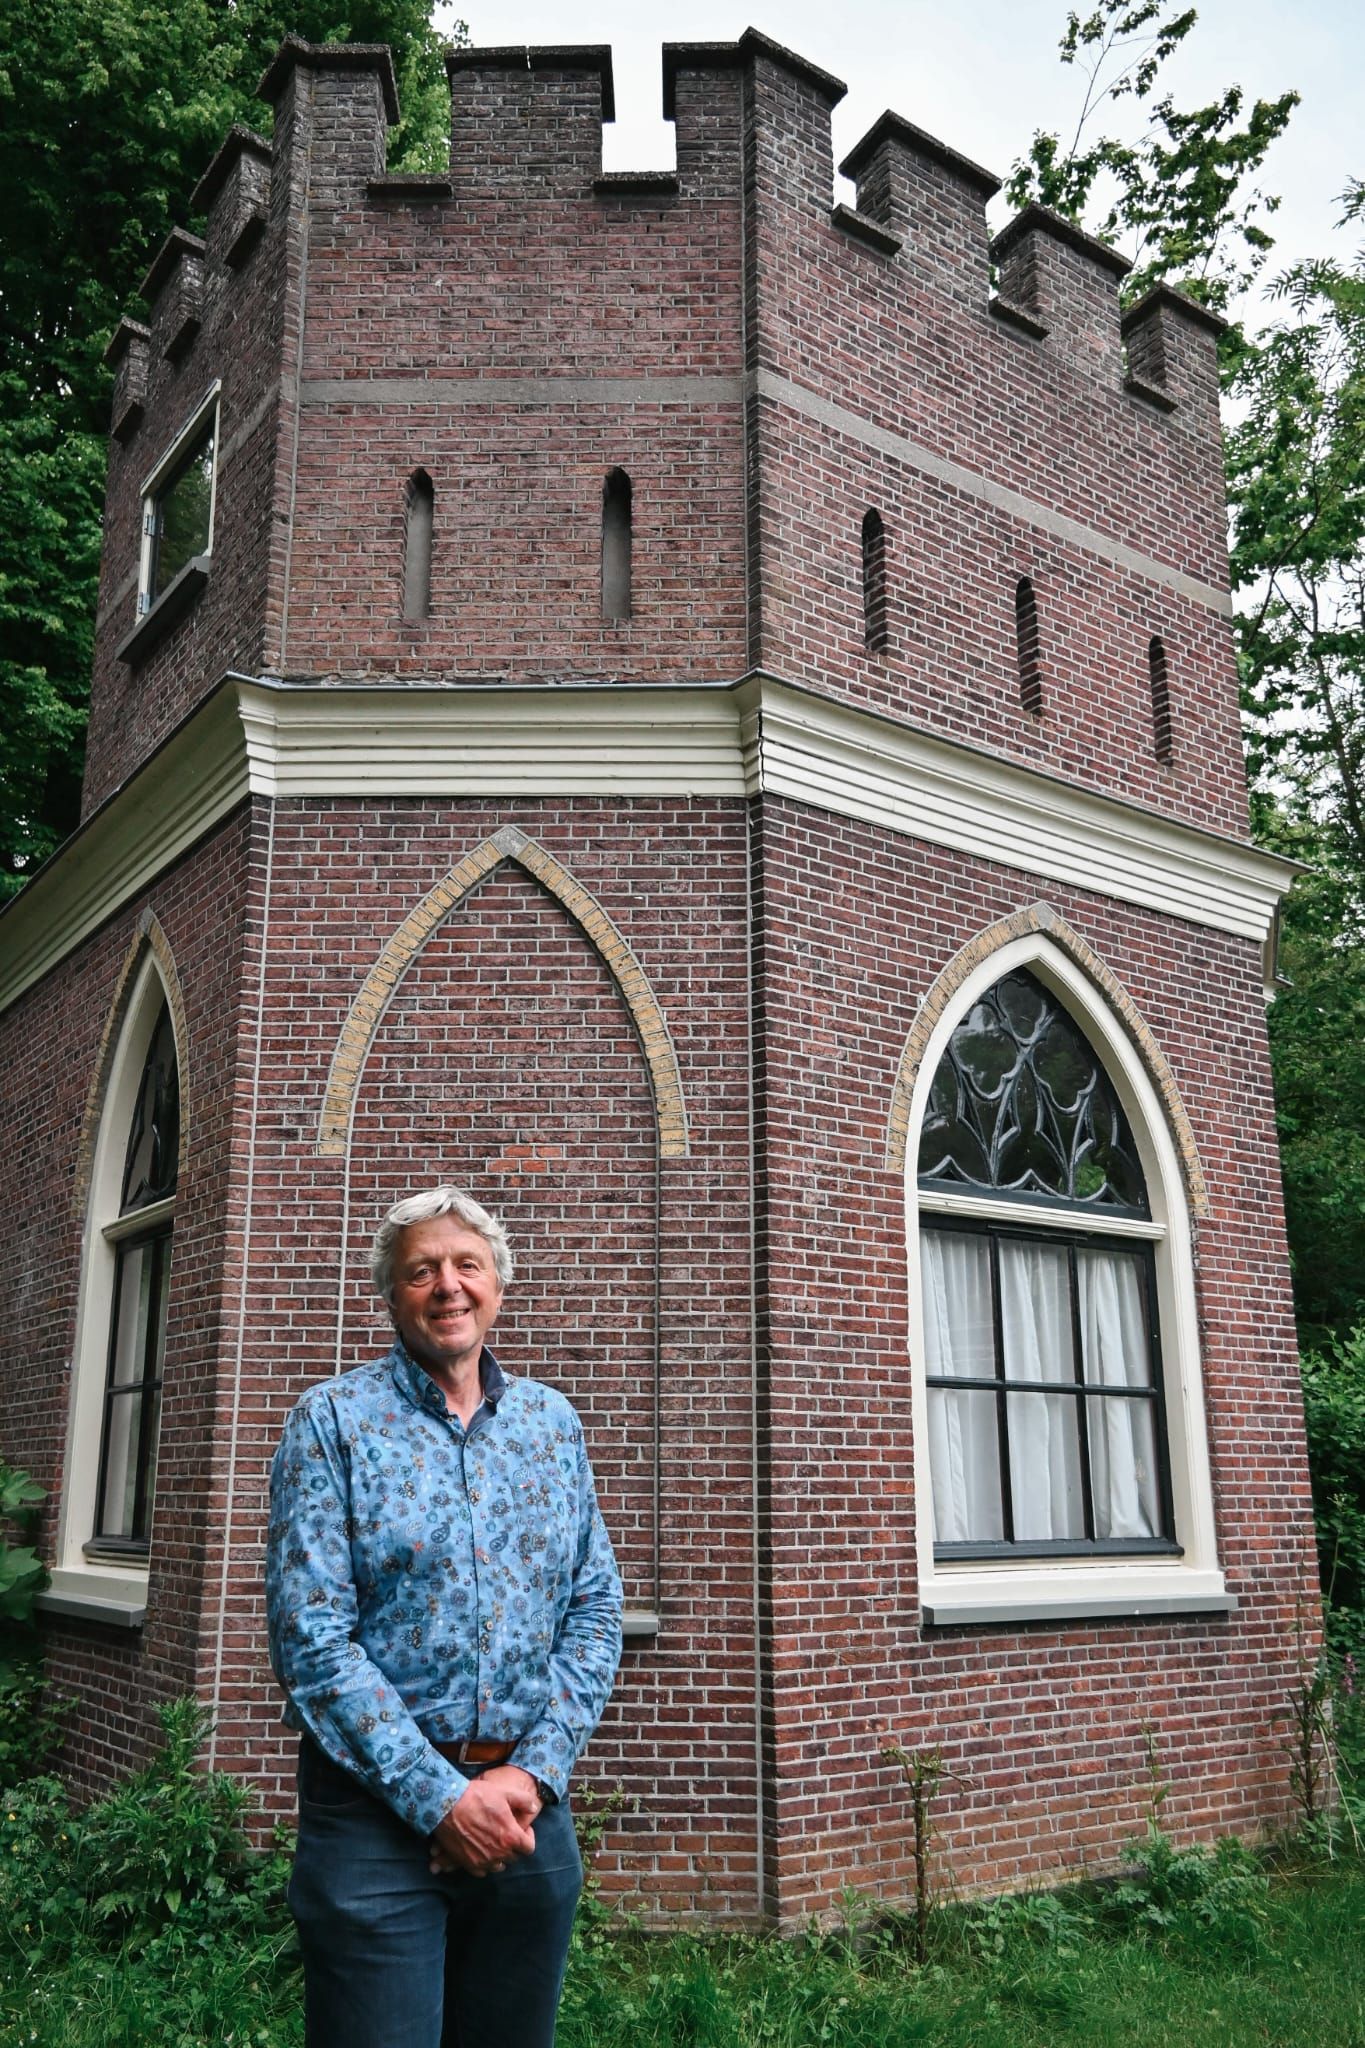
277,740
859,765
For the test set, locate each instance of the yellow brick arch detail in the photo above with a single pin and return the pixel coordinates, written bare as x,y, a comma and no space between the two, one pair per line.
362,1022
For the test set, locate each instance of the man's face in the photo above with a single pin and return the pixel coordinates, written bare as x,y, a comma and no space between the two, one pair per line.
445,1292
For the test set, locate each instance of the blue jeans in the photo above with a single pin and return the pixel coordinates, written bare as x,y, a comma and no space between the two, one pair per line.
396,1958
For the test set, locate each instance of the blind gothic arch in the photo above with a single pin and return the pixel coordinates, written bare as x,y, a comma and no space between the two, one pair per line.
959,1581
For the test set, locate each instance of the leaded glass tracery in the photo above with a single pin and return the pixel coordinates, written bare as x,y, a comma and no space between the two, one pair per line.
1021,1105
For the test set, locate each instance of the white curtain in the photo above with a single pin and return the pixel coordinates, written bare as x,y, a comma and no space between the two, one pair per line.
964,1457
1114,1354
1044,1439
1045,1451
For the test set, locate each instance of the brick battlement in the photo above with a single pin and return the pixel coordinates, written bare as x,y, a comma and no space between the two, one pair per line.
764,365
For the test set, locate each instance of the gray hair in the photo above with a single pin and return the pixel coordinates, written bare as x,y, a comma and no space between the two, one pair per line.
422,1209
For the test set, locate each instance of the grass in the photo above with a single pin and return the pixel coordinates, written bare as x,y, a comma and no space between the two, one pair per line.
146,1920
1011,1977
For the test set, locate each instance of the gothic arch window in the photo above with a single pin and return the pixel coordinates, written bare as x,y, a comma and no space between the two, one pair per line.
121,1330
1060,1444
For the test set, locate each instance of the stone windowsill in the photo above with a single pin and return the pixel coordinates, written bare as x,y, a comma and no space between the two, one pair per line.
118,1599
180,595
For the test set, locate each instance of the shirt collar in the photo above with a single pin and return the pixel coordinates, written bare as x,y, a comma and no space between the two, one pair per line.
413,1380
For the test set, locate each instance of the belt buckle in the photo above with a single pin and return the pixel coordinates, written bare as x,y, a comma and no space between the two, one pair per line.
462,1749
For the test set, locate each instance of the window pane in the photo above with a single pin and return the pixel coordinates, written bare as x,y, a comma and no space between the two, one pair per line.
1123,1469
118,1499
153,1156
182,514
1035,1311
964,1460
1115,1353
1045,1467
1114,1348
133,1407
128,1352
959,1341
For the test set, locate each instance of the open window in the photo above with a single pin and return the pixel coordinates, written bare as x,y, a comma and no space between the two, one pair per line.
1061,1458
177,510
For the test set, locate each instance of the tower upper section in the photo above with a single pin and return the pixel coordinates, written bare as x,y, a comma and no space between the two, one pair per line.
524,421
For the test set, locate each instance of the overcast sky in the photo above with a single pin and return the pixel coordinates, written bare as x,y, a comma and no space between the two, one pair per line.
983,77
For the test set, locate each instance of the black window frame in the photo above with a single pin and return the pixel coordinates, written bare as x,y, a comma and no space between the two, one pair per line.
145,1391
1085,1393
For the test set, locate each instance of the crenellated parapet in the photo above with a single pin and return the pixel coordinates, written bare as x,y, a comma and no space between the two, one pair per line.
809,426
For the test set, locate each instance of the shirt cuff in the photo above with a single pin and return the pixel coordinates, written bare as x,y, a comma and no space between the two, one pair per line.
425,1793
546,1755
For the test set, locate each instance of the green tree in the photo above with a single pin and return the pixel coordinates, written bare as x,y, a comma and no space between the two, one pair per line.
1296,484
109,112
1177,199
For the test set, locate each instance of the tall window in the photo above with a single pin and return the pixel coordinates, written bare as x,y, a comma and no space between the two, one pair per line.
874,583
1047,1432
616,546
140,1236
1161,700
419,527
1026,648
178,504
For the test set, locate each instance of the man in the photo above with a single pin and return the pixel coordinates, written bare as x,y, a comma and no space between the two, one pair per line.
445,1617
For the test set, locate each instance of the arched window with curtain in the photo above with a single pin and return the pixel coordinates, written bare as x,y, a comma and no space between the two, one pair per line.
109,1494
140,1238
1026,646
1042,1362
1159,682
874,583
419,528
616,545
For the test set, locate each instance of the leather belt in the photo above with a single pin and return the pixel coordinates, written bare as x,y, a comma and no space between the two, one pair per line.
475,1751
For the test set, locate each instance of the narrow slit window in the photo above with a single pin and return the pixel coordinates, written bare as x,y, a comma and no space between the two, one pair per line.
1161,700
616,536
419,525
1026,642
874,583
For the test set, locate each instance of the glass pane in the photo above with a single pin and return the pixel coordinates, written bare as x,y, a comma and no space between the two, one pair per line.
118,1496
1123,1467
136,1351
182,514
959,1339
1035,1311
964,1463
1045,1467
1114,1351
153,1156
1021,1102
128,1352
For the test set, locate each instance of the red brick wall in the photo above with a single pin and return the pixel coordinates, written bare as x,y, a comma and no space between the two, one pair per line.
1044,1722
50,1044
508,1062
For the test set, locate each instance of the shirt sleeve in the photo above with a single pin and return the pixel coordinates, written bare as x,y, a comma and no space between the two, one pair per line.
586,1650
341,1697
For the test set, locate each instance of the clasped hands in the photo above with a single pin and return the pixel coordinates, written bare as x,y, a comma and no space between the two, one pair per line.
489,1825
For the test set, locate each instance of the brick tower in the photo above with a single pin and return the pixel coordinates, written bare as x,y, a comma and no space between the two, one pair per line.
677,705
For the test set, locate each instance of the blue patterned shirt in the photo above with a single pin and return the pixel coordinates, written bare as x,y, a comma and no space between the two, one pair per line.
427,1583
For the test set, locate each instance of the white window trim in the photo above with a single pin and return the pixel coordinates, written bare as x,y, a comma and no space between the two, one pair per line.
155,482
967,1592
93,1584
